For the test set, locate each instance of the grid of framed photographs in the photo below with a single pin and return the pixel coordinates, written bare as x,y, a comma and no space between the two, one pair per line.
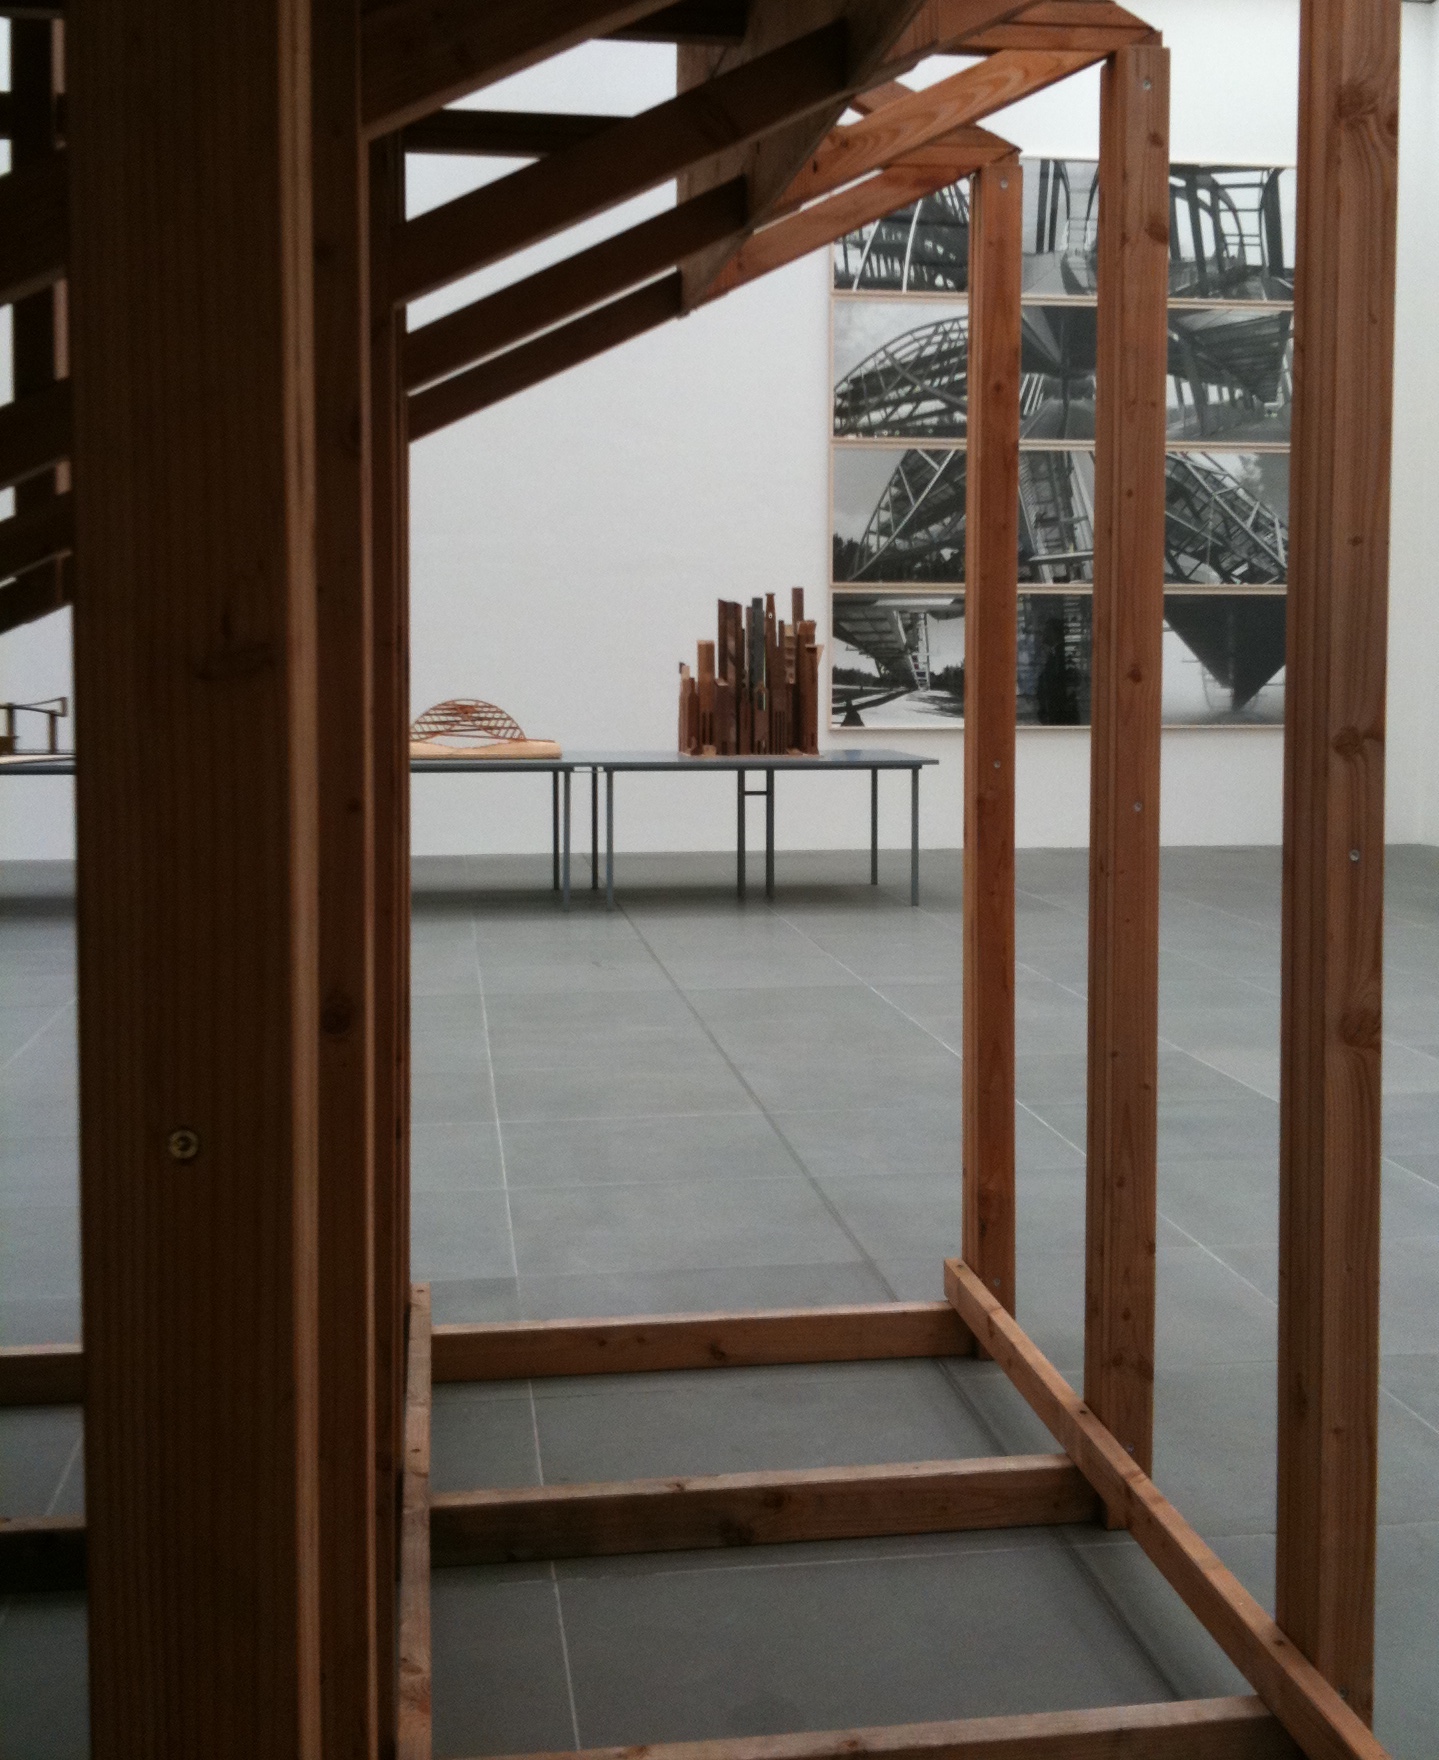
900,332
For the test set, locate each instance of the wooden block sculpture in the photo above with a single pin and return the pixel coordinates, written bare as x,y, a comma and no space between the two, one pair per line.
464,727
756,688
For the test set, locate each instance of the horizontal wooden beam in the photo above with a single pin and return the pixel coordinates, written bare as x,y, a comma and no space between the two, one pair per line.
1065,25
34,433
1181,1729
720,22
633,156
566,288
34,227
756,1509
419,55
520,1350
1294,1690
915,175
413,1724
502,134
42,1554
37,535
916,119
554,352
35,595
41,1374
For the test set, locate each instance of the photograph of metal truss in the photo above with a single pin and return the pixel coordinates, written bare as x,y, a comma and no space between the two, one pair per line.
1223,659
1231,373
900,371
899,516
923,248
1231,230
896,660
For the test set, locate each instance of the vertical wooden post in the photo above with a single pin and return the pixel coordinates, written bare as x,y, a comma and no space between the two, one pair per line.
1334,837
1124,767
350,1644
39,329
198,836
390,755
991,610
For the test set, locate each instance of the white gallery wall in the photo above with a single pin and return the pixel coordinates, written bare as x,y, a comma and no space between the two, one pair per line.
568,546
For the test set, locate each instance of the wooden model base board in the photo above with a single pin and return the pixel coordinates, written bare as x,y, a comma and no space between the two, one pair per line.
500,748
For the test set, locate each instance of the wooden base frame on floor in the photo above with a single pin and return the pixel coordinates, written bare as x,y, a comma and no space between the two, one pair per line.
1095,1479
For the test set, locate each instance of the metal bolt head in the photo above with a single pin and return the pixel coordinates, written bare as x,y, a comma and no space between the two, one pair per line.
184,1145
1354,855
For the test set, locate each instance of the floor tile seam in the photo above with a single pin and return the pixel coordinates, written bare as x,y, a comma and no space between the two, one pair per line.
1229,1076
1404,1406
861,1252
1081,1557
65,1473
39,1033
1211,1254
494,1103
733,1563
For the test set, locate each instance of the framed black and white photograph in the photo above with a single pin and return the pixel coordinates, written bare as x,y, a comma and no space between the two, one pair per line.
1056,516
923,248
1231,232
1061,226
1226,518
896,660
1231,373
900,369
898,515
1057,367
1223,660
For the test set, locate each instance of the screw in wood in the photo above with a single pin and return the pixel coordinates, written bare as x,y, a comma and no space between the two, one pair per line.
183,1145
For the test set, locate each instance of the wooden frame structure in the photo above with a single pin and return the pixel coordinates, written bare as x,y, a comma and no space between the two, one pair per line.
235,394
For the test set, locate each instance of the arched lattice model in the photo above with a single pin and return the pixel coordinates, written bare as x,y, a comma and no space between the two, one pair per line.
468,717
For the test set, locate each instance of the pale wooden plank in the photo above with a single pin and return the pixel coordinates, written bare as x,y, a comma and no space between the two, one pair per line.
1183,1729
1334,838
42,1375
1296,1692
756,1509
389,560
1128,610
351,1648
517,1350
194,636
990,641
414,1740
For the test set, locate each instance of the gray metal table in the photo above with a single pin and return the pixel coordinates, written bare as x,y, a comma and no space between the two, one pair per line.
559,770
843,761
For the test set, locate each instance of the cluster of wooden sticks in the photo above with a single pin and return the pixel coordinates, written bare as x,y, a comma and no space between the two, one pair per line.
755,689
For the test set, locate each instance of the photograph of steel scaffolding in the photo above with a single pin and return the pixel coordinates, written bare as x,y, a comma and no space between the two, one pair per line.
900,365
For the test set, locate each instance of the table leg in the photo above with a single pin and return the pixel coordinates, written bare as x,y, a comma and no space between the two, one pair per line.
914,835
739,836
594,829
565,865
610,839
874,827
769,833
555,830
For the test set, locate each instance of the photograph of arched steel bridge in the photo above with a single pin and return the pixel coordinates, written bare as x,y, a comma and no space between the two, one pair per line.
900,340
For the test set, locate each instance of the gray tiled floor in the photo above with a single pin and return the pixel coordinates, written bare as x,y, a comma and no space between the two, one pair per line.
689,1104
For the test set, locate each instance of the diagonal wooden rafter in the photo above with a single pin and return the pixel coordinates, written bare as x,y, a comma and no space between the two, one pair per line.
503,134
557,293
34,433
911,177
34,227
626,160
549,297
769,165
913,119
1065,24
419,55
